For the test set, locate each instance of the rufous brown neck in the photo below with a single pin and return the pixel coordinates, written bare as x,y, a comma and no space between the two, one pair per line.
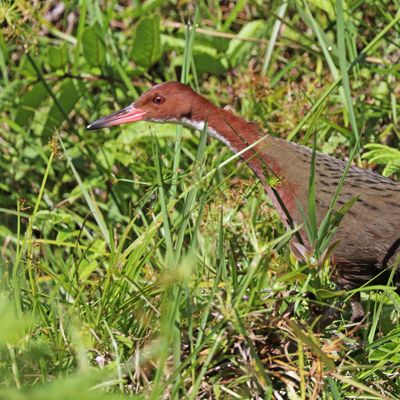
264,154
236,133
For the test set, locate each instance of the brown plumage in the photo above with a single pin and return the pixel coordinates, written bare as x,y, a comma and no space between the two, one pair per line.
369,234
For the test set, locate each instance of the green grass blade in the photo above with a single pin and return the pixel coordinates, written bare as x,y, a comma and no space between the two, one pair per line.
344,68
187,58
91,202
274,37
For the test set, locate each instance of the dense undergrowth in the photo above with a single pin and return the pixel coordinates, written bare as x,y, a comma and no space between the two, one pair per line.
146,261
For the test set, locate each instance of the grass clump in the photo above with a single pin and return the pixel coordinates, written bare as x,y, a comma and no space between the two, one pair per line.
146,261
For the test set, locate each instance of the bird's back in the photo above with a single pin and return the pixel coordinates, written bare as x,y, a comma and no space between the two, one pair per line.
369,231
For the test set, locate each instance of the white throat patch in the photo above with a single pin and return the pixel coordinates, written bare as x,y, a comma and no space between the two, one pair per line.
199,125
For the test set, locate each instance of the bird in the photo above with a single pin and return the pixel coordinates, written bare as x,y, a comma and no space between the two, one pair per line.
367,240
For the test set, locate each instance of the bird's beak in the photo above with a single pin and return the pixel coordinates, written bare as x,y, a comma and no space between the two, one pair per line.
127,114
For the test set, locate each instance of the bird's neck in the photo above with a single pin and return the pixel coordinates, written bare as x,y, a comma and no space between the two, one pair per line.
256,148
267,156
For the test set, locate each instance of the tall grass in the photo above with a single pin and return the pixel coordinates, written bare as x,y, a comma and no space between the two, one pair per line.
146,261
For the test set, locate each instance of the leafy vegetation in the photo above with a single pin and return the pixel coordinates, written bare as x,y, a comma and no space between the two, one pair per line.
146,261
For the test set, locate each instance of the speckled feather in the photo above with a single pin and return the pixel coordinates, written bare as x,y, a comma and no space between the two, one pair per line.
368,230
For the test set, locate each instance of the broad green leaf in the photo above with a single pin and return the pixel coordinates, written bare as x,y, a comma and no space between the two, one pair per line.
67,98
238,49
57,56
219,44
146,49
30,102
86,268
93,45
205,63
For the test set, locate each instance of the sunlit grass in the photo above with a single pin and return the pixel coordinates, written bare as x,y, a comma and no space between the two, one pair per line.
147,261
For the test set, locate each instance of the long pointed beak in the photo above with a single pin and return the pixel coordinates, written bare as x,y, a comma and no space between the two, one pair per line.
127,114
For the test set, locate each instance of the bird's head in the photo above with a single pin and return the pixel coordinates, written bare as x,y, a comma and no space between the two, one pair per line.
166,102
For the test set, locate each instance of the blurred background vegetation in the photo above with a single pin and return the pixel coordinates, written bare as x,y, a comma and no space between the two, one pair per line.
145,261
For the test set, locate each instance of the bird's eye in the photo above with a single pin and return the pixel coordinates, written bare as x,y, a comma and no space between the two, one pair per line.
158,99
